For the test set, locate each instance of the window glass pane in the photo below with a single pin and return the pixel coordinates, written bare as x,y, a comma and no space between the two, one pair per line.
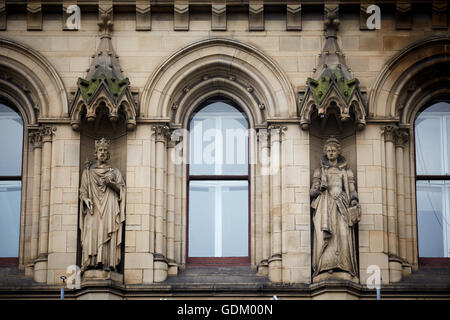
219,141
218,218
11,134
10,192
448,144
433,199
429,155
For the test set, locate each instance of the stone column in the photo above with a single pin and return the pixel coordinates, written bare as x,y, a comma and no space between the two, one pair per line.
264,142
40,267
395,265
36,141
275,162
178,151
401,138
408,205
173,269
160,261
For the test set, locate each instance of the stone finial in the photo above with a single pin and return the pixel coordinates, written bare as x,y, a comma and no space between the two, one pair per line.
104,85
332,84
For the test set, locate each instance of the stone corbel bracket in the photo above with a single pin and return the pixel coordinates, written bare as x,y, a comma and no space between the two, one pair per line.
2,15
143,15
439,14
323,96
256,15
219,15
294,16
34,15
403,17
181,15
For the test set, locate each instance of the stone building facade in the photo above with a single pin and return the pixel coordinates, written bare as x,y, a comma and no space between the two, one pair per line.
164,59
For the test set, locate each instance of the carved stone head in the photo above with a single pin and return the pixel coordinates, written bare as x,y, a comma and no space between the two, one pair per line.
102,150
332,148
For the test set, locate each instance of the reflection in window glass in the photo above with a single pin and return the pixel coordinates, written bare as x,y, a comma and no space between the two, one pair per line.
432,198
432,127
11,134
218,218
10,192
218,141
432,133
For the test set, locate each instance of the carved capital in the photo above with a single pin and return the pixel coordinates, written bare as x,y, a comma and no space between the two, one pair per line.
263,137
276,131
47,133
401,138
162,132
389,133
36,139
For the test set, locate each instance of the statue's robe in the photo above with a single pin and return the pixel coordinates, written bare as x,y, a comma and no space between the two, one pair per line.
334,233
101,228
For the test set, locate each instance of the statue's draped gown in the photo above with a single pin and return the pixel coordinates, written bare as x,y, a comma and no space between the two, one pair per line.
334,239
101,232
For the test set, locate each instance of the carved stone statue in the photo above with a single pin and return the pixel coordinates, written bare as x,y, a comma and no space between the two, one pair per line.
102,211
336,211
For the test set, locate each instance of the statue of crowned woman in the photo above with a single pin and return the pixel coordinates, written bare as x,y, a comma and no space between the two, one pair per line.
336,211
102,211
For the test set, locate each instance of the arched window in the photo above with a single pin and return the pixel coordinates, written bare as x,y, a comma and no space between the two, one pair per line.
218,185
432,141
11,139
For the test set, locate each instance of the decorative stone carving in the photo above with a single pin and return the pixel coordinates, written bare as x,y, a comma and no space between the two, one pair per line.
181,15
389,133
403,18
104,85
401,138
332,86
162,132
143,15
102,211
105,7
34,15
2,14
439,14
256,15
42,134
336,211
294,16
219,15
